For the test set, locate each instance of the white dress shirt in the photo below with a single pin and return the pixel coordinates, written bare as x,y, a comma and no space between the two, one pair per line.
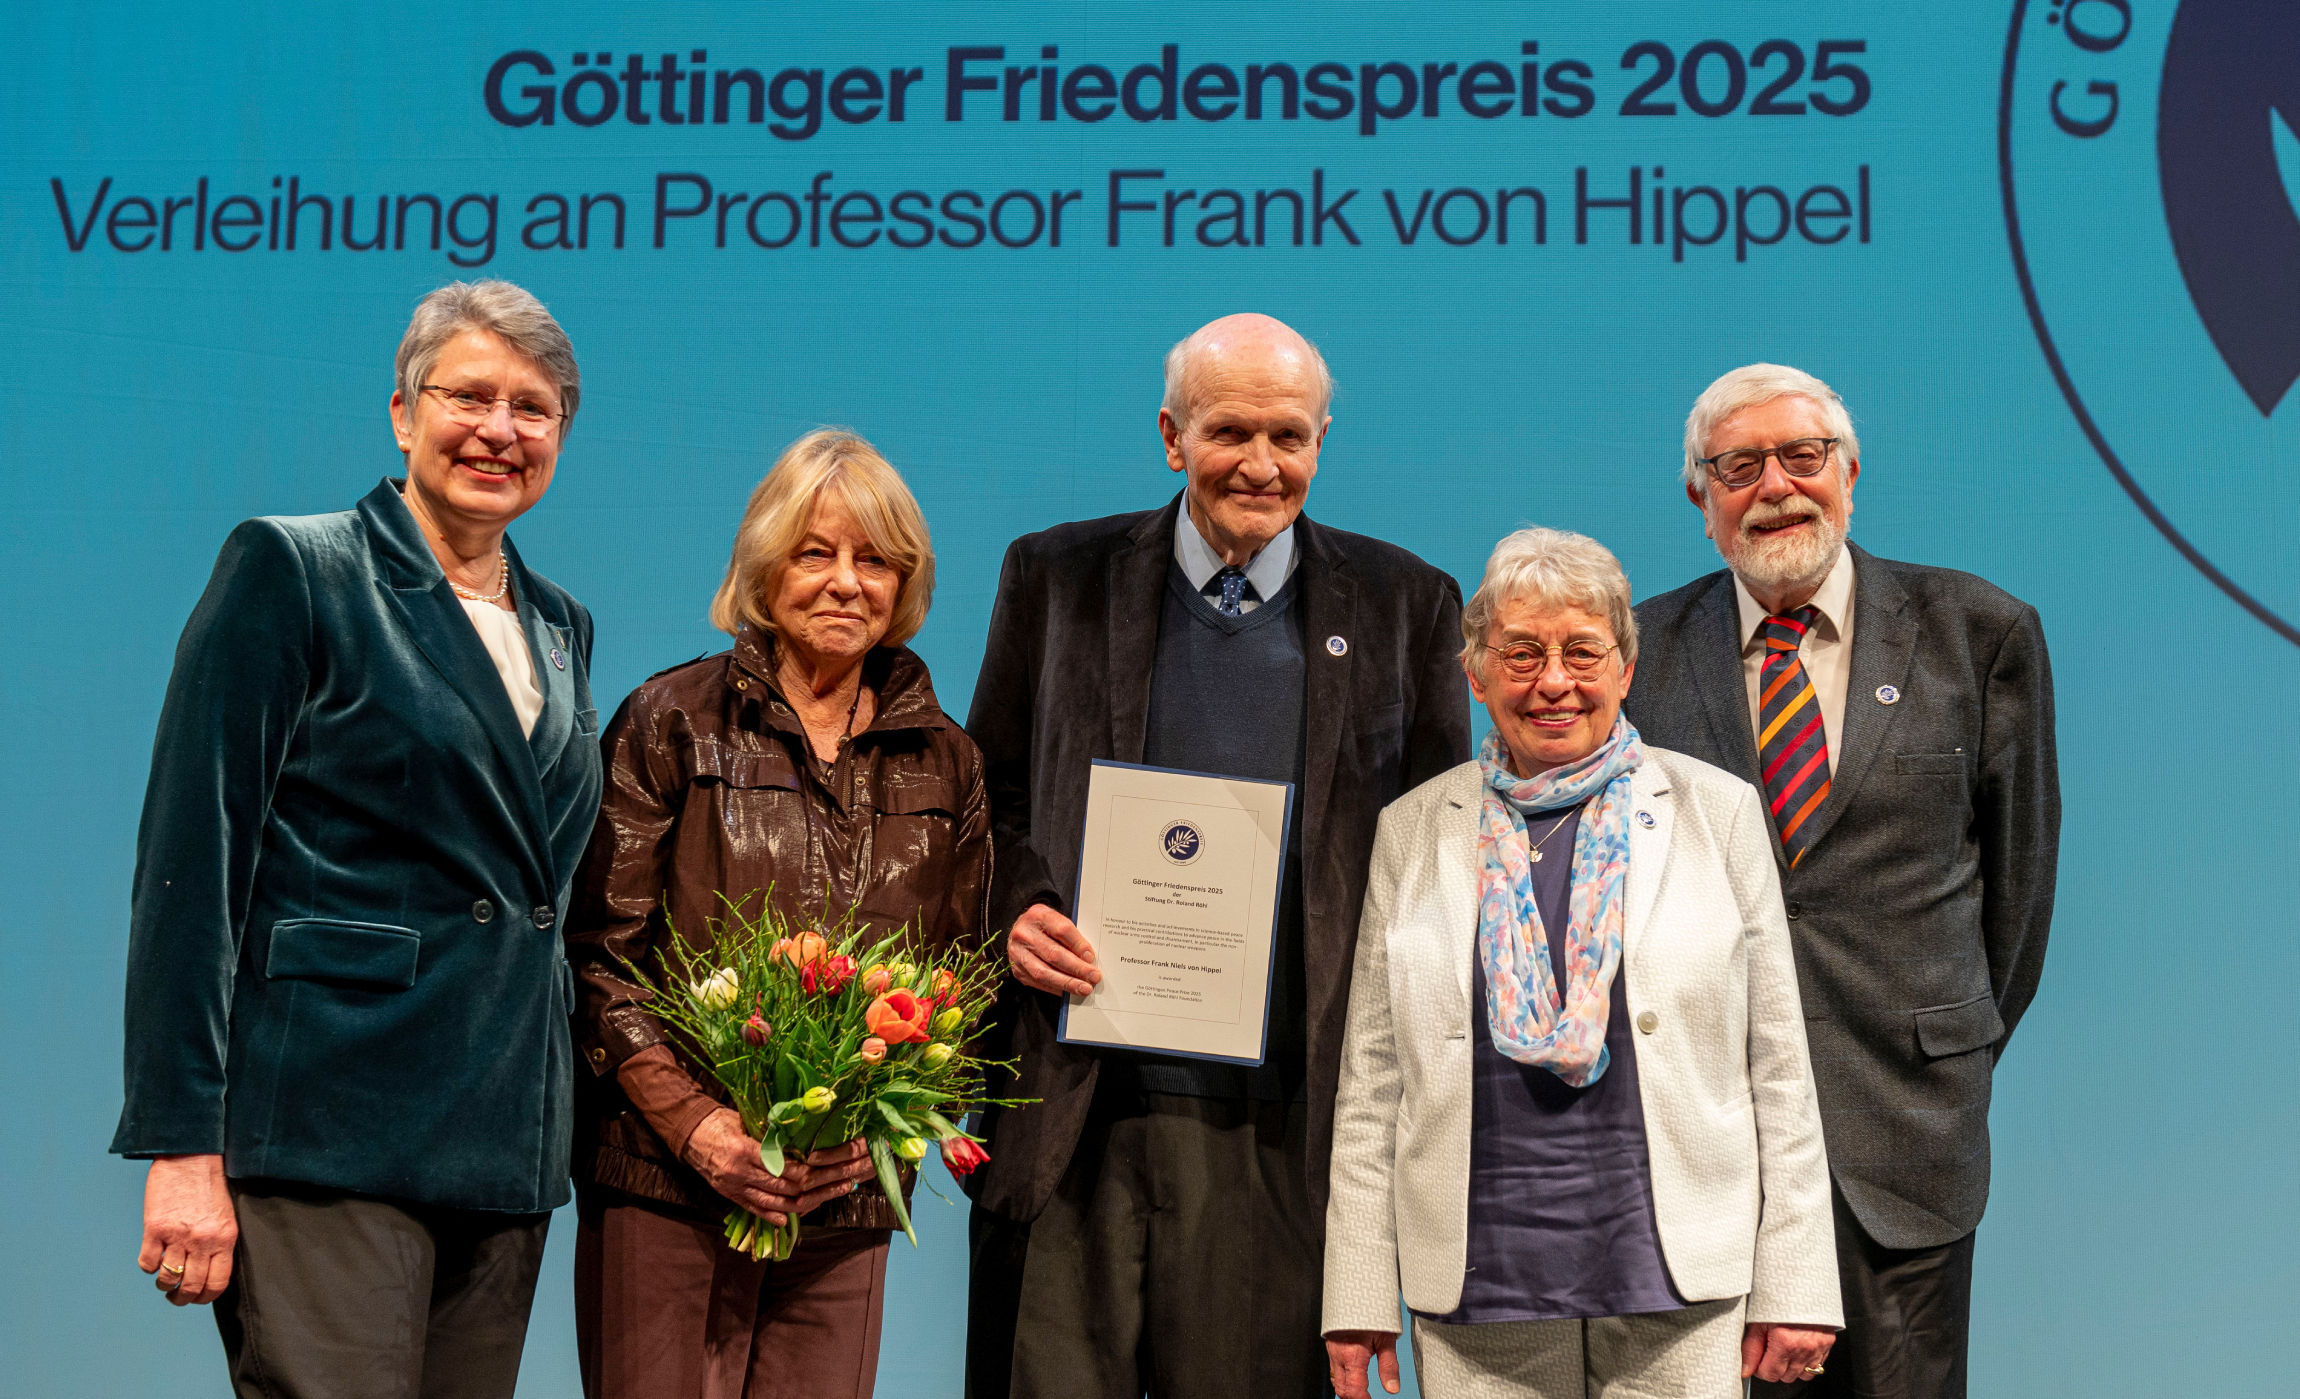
1827,650
1268,570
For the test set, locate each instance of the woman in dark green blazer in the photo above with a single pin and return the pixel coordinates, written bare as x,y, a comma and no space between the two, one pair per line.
376,768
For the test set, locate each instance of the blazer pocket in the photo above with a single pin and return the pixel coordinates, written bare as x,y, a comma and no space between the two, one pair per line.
1932,764
587,722
1960,1028
371,954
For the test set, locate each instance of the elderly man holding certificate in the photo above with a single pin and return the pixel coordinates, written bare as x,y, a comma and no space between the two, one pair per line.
1155,1223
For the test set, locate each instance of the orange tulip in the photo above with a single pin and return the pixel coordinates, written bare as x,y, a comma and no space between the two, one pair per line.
803,950
898,1017
873,1049
945,983
877,979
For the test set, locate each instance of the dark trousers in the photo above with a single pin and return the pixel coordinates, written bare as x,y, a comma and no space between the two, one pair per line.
1908,1317
1179,1258
339,1296
665,1310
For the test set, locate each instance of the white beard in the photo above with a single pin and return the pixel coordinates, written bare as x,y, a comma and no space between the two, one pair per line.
1778,565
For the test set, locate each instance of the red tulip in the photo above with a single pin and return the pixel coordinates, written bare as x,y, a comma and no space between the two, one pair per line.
839,971
898,1017
756,1032
962,1155
945,984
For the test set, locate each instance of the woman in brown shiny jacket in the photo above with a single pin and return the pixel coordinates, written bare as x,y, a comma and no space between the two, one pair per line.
811,766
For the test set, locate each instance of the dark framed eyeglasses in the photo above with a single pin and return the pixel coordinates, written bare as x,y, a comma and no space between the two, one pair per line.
1526,659
471,406
1803,456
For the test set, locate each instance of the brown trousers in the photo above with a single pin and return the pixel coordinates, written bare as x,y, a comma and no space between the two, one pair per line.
665,1310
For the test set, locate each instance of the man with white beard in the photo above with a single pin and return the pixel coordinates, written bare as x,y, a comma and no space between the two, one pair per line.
1898,721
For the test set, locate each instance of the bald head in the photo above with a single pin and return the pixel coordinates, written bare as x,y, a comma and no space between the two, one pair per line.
1248,343
1244,417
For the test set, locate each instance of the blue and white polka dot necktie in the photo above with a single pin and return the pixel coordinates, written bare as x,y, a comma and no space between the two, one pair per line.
1234,585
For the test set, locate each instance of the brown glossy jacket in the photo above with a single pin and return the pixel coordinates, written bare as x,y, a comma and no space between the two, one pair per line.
711,789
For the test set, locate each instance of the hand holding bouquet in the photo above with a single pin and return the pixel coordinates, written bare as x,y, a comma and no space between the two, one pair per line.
827,1036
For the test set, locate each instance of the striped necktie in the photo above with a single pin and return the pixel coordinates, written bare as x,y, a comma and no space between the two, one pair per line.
1792,746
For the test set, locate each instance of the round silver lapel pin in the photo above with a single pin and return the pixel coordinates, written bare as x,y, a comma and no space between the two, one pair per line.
1337,646
1888,694
1645,819
558,658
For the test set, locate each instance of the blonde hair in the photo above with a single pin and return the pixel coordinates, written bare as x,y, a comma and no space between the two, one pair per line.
1551,568
826,461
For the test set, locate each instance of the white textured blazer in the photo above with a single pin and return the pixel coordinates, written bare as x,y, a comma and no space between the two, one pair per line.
1740,1184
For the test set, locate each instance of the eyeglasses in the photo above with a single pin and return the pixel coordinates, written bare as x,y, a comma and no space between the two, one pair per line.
1581,659
469,406
1805,456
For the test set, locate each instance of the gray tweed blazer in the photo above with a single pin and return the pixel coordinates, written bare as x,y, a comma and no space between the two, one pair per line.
1919,915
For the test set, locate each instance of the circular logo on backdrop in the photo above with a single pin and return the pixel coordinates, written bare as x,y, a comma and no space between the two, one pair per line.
1181,842
2149,153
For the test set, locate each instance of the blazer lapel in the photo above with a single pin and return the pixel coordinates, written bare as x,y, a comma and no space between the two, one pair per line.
1135,591
1329,608
1884,643
1457,830
551,649
1714,657
1648,849
420,593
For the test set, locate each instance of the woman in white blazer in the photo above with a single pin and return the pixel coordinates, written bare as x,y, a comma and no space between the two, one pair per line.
1576,1122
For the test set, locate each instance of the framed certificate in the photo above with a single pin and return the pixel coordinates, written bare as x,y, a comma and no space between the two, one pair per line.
1178,890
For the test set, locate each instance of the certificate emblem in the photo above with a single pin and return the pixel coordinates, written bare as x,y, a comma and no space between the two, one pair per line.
1181,842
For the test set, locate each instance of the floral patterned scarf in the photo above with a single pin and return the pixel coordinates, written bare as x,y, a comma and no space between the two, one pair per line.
1521,986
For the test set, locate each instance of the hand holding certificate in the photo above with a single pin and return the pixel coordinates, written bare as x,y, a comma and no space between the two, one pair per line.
1178,893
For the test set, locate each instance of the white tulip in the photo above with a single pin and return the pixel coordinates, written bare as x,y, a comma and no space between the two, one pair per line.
719,991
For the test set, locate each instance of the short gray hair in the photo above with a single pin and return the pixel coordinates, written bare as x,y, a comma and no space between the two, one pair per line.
1177,400
1550,567
508,312
1749,386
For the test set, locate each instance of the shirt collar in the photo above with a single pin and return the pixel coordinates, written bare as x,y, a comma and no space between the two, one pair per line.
1834,602
1268,570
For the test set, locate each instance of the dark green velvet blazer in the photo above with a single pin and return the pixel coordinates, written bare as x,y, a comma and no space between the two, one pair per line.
343,964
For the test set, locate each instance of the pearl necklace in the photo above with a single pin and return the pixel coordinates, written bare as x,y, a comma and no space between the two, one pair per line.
502,581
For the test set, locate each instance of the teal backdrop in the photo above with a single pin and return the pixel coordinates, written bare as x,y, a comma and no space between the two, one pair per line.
2041,250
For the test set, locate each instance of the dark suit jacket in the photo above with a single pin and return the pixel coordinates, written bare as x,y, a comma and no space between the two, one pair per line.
1920,911
343,967
1066,679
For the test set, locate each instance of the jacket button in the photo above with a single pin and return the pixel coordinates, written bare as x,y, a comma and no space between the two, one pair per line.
542,915
482,911
1796,909
1647,1022
598,1056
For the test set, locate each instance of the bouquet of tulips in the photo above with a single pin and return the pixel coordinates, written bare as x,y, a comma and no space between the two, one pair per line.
824,1035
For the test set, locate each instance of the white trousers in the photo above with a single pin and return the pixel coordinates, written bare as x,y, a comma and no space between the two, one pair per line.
1690,1354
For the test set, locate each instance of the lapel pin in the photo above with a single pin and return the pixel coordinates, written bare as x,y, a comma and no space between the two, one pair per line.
558,658
1336,646
1645,819
1888,694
